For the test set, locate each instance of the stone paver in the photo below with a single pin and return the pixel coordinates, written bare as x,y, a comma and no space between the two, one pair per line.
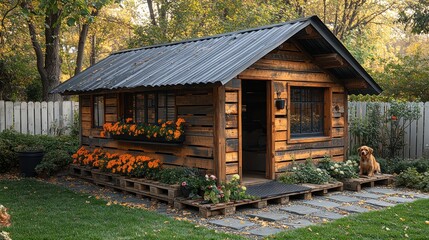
269,216
232,223
367,195
417,195
265,231
299,223
341,198
386,191
328,215
300,210
322,203
353,209
379,203
399,199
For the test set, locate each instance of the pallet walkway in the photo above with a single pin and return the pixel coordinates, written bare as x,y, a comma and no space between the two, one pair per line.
209,210
357,184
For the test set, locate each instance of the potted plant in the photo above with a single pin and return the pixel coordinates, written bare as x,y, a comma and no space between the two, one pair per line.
29,157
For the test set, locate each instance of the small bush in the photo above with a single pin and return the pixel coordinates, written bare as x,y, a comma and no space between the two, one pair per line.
398,165
408,178
176,175
424,182
305,173
53,162
8,158
340,170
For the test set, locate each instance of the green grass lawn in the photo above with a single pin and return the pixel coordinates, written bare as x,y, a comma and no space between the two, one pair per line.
404,221
45,211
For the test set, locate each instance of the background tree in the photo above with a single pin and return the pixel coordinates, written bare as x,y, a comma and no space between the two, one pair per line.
416,16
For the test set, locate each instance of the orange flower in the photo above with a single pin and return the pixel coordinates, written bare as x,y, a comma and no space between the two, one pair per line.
128,120
177,134
102,134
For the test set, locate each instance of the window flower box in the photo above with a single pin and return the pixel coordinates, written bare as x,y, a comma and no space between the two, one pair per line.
162,132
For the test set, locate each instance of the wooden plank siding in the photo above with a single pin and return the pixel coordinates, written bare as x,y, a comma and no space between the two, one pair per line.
195,106
232,130
289,67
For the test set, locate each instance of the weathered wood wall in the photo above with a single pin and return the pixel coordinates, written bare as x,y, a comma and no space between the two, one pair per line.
289,65
196,107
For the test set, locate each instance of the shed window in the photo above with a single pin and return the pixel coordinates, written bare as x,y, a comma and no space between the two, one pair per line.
307,111
98,107
150,107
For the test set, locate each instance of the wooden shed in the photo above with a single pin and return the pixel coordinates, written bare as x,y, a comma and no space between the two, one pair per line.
253,100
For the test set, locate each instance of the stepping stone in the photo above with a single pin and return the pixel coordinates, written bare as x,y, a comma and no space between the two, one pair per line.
322,203
367,195
416,195
265,231
299,223
300,210
341,198
269,216
354,209
232,223
400,199
382,191
328,215
379,203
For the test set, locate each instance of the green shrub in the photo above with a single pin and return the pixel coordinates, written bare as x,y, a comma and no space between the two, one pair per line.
10,139
408,178
305,173
424,182
53,162
8,158
340,170
398,165
176,175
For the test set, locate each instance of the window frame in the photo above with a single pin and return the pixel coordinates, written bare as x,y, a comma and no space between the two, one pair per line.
146,107
93,101
327,113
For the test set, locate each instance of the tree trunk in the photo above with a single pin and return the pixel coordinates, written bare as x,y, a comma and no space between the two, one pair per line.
81,48
151,12
93,57
52,56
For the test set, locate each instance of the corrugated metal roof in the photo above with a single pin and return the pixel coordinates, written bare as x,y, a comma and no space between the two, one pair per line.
212,59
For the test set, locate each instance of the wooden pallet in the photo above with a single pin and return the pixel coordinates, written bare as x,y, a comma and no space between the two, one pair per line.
323,189
208,210
81,172
357,184
139,187
151,189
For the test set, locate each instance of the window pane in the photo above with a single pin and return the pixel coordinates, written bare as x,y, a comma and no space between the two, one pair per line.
307,105
140,111
98,111
162,114
295,118
318,117
171,100
161,99
129,106
306,118
171,113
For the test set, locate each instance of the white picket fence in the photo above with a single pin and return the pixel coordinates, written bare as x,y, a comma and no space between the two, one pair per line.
37,118
416,134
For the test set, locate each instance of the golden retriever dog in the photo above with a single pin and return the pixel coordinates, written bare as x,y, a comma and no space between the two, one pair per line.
367,164
4,217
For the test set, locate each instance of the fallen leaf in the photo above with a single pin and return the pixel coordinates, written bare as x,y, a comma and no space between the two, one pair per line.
427,222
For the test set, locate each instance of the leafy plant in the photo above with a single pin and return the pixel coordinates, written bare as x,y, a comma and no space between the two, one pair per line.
53,162
305,173
408,178
340,170
8,158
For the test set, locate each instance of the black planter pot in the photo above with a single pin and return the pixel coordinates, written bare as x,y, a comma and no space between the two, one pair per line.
280,104
28,162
